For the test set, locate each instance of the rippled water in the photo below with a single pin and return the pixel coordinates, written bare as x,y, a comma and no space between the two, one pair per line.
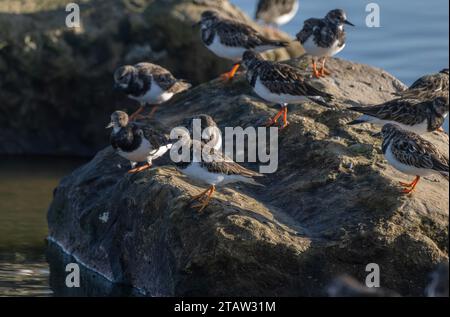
412,40
26,186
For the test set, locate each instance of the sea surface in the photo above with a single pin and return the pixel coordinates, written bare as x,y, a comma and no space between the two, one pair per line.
412,40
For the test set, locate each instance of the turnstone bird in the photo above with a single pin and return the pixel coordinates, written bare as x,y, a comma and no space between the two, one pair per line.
136,143
409,114
429,86
278,12
280,83
212,168
323,38
230,39
210,132
149,84
411,154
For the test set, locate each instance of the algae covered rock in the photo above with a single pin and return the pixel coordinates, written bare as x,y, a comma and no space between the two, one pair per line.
332,207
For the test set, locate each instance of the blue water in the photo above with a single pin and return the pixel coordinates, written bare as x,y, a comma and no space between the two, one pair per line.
412,40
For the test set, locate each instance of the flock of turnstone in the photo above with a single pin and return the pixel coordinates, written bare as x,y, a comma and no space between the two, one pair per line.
420,109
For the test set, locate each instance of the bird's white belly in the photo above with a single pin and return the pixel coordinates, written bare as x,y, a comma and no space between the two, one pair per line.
141,154
266,94
407,169
420,128
283,19
195,171
313,49
156,95
228,52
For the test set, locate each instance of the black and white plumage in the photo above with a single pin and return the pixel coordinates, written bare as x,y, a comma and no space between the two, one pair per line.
412,155
210,132
429,86
323,38
277,12
210,167
280,83
229,39
410,114
136,143
148,84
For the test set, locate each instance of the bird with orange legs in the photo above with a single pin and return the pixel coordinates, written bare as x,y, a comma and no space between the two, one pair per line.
322,38
149,84
412,155
136,143
209,166
229,39
280,84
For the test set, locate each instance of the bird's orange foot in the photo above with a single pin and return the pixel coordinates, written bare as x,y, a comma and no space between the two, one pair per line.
440,130
409,187
274,120
315,71
323,72
230,75
407,191
140,168
285,125
204,198
406,184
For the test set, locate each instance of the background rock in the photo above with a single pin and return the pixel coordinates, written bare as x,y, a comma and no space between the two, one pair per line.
332,207
56,83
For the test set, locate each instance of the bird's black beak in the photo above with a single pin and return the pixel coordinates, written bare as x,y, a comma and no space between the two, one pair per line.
196,24
348,23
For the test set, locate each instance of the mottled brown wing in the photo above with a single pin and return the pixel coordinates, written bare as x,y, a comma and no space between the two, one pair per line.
155,138
405,111
236,34
309,27
159,74
411,149
285,79
225,165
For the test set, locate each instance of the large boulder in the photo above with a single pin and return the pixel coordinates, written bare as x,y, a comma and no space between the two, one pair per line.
56,82
332,207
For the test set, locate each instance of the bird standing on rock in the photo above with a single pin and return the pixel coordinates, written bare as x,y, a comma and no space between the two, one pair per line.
213,168
412,155
280,83
149,84
138,144
323,38
230,39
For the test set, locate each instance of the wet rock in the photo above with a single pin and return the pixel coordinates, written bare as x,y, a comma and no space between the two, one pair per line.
315,219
